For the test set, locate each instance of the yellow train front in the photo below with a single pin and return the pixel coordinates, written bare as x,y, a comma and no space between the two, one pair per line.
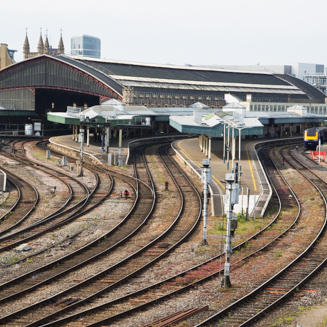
313,135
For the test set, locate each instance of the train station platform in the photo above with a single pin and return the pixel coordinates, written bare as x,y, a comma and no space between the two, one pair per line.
252,178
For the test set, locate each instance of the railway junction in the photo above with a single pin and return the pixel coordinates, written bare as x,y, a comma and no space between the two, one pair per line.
83,264
201,294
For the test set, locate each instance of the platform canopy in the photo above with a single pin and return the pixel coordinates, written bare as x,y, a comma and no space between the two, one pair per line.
213,124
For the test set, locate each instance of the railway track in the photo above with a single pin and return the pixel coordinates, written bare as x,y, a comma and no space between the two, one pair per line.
92,252
160,288
253,306
287,199
27,199
34,225
149,253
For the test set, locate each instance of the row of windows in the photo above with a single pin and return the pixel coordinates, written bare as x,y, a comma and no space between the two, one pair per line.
175,96
282,108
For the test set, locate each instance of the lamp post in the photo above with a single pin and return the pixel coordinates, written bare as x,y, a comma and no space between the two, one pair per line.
232,198
81,149
239,154
233,148
81,136
228,147
206,179
224,143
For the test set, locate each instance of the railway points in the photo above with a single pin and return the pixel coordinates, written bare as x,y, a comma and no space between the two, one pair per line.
284,167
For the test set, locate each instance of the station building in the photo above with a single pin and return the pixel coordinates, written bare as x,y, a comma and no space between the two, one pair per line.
41,88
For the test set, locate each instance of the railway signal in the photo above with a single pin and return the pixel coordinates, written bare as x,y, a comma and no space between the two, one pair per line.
206,179
232,195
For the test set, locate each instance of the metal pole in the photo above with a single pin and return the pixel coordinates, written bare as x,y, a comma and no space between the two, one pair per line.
242,201
239,156
205,207
228,247
224,145
82,140
209,150
233,145
107,139
247,205
228,148
120,163
206,178
319,149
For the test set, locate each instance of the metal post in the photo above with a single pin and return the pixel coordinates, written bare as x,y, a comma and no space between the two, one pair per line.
247,205
239,155
242,202
205,209
224,144
230,178
228,148
82,140
120,161
206,179
206,144
319,144
107,139
209,150
233,145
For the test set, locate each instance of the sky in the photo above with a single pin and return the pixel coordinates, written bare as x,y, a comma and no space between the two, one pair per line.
178,32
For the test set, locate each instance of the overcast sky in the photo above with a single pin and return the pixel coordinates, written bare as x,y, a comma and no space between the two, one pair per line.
207,32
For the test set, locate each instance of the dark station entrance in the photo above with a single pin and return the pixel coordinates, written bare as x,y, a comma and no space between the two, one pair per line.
58,100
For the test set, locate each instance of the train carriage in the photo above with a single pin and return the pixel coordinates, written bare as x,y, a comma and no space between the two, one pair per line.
313,135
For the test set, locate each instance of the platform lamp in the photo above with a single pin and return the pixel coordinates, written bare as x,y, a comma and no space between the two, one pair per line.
239,153
232,194
81,131
206,179
228,146
224,142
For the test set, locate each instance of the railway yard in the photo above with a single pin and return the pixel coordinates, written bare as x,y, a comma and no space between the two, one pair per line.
74,251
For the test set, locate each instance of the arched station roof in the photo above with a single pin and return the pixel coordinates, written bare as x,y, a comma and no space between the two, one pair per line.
153,78
53,82
58,72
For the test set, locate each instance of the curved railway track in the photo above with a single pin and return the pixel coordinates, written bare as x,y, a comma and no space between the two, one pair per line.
27,199
150,252
159,288
252,307
36,226
285,198
91,252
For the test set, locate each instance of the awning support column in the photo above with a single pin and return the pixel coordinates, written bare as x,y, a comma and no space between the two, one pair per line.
87,136
209,150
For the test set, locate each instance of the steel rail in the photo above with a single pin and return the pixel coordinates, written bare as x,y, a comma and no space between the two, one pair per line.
144,249
106,237
259,313
125,298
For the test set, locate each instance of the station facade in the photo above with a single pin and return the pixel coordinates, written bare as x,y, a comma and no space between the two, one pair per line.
49,83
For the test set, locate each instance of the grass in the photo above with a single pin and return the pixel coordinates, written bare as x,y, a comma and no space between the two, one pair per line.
283,321
278,254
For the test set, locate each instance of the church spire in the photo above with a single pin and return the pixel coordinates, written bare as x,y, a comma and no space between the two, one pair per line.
61,48
40,47
46,44
26,47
